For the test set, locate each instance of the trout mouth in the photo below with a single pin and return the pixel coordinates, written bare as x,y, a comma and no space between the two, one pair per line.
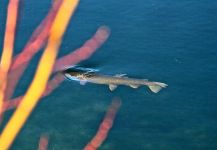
74,72
78,73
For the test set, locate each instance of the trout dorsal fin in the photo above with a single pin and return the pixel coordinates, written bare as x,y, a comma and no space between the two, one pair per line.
112,87
120,75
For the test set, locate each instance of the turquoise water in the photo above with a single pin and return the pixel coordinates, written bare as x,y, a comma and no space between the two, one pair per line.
168,41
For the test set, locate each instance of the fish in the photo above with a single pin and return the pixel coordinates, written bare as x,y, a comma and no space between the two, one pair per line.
113,82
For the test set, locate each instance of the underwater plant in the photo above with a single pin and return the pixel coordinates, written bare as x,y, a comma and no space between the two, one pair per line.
47,35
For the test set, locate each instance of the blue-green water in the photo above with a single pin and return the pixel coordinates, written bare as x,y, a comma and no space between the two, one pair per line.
168,41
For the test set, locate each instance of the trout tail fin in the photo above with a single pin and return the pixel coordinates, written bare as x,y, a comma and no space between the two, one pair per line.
157,86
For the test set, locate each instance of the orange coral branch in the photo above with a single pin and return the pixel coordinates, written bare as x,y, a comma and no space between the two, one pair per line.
51,85
37,41
42,75
9,36
8,47
105,126
38,38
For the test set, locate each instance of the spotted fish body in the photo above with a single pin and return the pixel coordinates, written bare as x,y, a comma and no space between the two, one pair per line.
113,81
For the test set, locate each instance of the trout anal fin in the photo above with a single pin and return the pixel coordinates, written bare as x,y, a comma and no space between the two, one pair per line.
155,88
134,86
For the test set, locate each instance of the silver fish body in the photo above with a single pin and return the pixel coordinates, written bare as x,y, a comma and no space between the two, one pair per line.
114,81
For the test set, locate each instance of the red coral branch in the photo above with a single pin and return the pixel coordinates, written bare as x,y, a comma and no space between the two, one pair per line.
105,126
52,84
85,51
36,42
43,142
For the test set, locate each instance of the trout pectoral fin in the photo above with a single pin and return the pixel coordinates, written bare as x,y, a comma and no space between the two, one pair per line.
83,82
112,87
134,86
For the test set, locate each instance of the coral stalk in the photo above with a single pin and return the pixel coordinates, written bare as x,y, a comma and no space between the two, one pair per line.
36,42
84,52
41,77
38,38
105,126
7,52
76,56
43,143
